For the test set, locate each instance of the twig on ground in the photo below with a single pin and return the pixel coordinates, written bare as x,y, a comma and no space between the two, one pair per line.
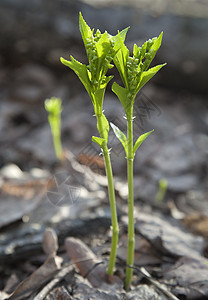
64,271
46,290
157,284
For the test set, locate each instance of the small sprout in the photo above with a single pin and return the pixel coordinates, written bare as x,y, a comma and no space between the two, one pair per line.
54,108
162,189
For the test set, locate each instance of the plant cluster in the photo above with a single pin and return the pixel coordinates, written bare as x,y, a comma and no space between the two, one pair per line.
102,49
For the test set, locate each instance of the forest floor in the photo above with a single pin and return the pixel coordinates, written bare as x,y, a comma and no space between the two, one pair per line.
42,200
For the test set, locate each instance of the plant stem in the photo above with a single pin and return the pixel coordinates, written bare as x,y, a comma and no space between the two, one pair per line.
57,144
111,193
131,238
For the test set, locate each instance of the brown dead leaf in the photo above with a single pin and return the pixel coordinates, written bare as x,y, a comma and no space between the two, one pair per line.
45,272
190,275
50,242
197,223
11,283
36,279
25,189
19,197
168,236
86,261
91,160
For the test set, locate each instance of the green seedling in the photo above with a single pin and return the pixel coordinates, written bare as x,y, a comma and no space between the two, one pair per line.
54,108
101,49
135,73
162,189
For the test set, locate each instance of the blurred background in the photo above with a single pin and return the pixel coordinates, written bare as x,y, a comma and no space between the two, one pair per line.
35,34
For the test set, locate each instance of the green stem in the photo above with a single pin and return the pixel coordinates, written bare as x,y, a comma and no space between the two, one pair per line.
57,144
55,124
131,238
111,193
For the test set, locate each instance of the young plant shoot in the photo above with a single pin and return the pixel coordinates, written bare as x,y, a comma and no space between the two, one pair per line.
162,189
100,52
135,74
54,108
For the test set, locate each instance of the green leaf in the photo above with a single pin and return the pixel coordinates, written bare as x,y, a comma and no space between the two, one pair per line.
154,48
140,140
98,140
85,30
105,127
147,75
122,94
121,57
157,43
81,71
99,95
120,35
136,50
120,135
103,47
